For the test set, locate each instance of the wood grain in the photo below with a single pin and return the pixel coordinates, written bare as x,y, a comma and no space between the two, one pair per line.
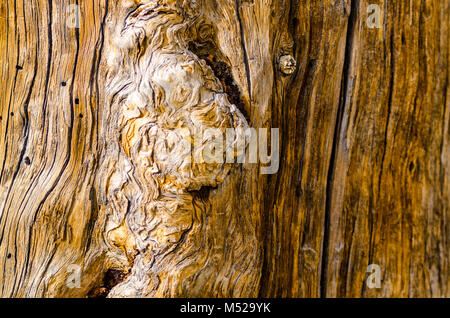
364,169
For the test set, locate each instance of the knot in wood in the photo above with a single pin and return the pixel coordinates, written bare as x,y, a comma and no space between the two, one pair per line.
287,64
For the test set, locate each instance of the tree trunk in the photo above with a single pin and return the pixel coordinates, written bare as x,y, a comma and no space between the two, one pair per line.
92,185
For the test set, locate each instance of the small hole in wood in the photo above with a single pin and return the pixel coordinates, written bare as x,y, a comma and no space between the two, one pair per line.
80,116
19,67
63,83
12,114
9,255
27,161
77,101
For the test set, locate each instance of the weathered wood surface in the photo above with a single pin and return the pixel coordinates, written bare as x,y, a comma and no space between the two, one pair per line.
363,176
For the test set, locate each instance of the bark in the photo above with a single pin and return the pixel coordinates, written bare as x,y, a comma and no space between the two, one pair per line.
88,178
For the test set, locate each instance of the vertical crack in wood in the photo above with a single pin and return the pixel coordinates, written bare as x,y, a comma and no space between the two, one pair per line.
244,51
343,102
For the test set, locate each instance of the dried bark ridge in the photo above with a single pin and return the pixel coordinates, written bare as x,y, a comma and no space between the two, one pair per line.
161,94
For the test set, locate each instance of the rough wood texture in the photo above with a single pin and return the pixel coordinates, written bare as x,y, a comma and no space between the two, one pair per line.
364,155
160,95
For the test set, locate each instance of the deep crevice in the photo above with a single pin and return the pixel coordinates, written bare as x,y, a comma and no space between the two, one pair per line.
244,51
111,278
222,71
352,20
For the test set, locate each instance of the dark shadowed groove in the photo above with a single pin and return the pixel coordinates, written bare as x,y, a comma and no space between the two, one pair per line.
352,20
49,60
97,68
244,50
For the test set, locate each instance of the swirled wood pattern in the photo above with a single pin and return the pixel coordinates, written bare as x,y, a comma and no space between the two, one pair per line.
94,112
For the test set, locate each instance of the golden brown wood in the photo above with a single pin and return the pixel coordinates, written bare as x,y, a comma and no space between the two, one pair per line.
364,155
